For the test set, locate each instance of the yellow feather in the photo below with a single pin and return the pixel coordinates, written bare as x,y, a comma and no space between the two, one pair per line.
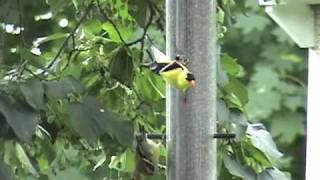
177,78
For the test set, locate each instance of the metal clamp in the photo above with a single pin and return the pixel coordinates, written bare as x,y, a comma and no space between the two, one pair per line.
156,136
224,136
215,136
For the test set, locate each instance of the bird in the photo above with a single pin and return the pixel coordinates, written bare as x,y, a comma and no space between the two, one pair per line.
147,157
174,71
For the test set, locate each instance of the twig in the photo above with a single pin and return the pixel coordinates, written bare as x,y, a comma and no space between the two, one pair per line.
21,35
141,39
70,56
160,19
111,22
294,79
33,74
136,109
71,35
21,40
145,31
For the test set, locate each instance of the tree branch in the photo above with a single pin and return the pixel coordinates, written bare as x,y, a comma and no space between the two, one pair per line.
141,39
145,31
22,43
34,74
71,57
72,33
111,22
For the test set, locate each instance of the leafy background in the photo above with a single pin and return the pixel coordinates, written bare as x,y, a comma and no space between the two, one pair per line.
74,88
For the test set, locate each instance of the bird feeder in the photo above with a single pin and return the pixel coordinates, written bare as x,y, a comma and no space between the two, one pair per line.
300,19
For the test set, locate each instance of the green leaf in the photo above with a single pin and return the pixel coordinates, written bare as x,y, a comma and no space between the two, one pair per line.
114,98
120,129
282,37
49,38
48,151
125,162
101,159
33,92
251,22
294,102
90,119
64,87
25,161
57,6
265,78
287,126
34,60
83,118
241,4
21,118
289,88
230,65
9,12
109,46
240,121
223,113
262,103
222,77
139,11
262,140
257,155
92,27
150,86
236,93
121,67
272,174
75,4
5,172
237,169
125,32
68,174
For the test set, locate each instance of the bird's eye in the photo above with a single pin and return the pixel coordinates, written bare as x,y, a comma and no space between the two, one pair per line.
177,57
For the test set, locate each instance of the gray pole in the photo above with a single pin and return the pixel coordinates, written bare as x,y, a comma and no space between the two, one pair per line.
191,31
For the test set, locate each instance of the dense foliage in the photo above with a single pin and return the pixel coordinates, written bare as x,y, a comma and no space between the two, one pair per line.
75,87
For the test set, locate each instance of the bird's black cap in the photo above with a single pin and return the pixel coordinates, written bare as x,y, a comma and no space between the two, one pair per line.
190,77
178,57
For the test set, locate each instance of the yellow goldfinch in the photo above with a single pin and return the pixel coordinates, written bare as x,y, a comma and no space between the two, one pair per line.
173,71
147,157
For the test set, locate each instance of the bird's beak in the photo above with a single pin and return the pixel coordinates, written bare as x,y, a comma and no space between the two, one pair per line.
193,83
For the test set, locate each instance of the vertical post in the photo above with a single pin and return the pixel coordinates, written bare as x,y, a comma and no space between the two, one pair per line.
313,120
191,32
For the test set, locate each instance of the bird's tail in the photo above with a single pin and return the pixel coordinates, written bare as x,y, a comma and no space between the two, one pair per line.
156,67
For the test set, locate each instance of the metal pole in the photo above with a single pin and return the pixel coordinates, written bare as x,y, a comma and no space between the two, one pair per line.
313,121
191,32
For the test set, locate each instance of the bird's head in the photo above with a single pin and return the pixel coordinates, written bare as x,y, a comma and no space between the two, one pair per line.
178,57
181,59
191,79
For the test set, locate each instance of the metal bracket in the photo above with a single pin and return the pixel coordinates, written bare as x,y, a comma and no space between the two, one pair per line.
156,136
224,136
215,136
